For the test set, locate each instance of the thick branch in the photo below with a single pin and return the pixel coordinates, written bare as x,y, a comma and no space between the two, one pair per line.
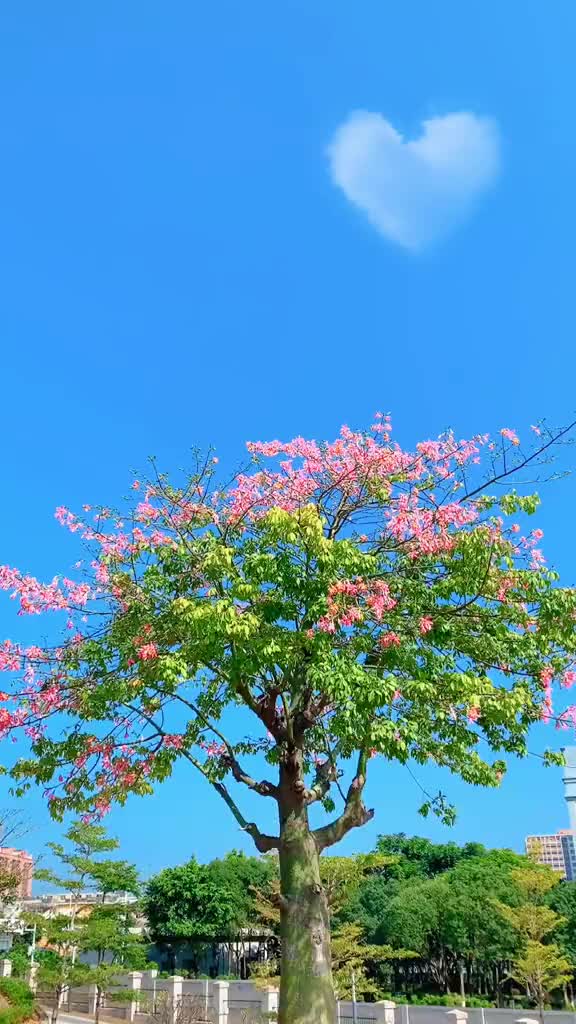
229,759
354,814
264,708
326,774
262,842
264,788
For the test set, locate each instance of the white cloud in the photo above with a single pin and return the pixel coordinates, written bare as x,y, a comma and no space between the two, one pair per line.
414,191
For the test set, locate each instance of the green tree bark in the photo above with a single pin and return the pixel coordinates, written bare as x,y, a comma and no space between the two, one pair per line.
306,990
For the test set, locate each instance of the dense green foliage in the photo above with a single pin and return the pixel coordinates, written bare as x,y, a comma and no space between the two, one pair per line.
187,902
415,919
20,999
467,912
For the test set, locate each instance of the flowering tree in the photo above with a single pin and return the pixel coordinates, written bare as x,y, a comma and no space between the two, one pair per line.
355,599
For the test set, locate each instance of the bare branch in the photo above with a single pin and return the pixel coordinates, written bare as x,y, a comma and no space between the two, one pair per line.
508,471
262,842
264,788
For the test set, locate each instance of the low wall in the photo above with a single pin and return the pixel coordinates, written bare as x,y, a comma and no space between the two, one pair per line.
172,1000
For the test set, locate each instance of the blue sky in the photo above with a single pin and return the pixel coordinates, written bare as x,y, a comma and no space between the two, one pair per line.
179,268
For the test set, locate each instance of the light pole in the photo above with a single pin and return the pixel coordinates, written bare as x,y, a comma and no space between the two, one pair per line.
32,946
354,1006
73,954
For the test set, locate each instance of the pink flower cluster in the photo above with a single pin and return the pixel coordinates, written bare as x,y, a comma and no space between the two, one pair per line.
355,464
350,601
147,652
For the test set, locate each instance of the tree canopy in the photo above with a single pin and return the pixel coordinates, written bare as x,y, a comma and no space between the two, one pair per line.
355,599
188,902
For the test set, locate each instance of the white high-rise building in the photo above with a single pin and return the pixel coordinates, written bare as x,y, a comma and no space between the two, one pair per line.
558,851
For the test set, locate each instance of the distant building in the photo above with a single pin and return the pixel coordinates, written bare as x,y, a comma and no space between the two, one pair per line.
21,865
77,904
558,850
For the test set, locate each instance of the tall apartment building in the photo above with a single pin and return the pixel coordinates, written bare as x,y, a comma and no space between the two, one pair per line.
558,850
20,864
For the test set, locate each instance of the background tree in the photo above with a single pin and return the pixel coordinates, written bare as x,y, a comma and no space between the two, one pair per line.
541,969
85,868
452,921
562,899
353,599
192,904
242,876
411,856
353,957
540,965
55,977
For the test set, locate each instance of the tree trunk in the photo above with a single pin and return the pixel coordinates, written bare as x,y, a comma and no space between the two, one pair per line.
462,984
306,987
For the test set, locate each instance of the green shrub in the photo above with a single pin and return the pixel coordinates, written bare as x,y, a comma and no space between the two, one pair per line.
12,1015
436,999
21,999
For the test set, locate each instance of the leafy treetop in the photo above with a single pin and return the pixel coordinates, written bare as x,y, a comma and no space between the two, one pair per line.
357,598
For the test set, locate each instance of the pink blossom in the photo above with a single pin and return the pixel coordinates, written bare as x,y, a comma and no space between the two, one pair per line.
146,512
215,749
326,625
147,652
425,624
389,640
510,435
175,741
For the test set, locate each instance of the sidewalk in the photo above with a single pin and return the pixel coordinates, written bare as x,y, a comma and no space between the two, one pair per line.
78,1018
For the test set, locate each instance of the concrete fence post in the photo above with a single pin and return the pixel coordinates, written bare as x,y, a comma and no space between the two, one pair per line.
148,985
220,1005
133,984
92,999
174,995
5,968
32,976
385,1010
269,1000
457,1016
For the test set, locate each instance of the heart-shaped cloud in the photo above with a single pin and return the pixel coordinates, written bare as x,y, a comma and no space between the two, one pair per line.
415,191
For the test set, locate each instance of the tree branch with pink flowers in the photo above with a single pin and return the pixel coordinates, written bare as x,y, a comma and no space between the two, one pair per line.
335,603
